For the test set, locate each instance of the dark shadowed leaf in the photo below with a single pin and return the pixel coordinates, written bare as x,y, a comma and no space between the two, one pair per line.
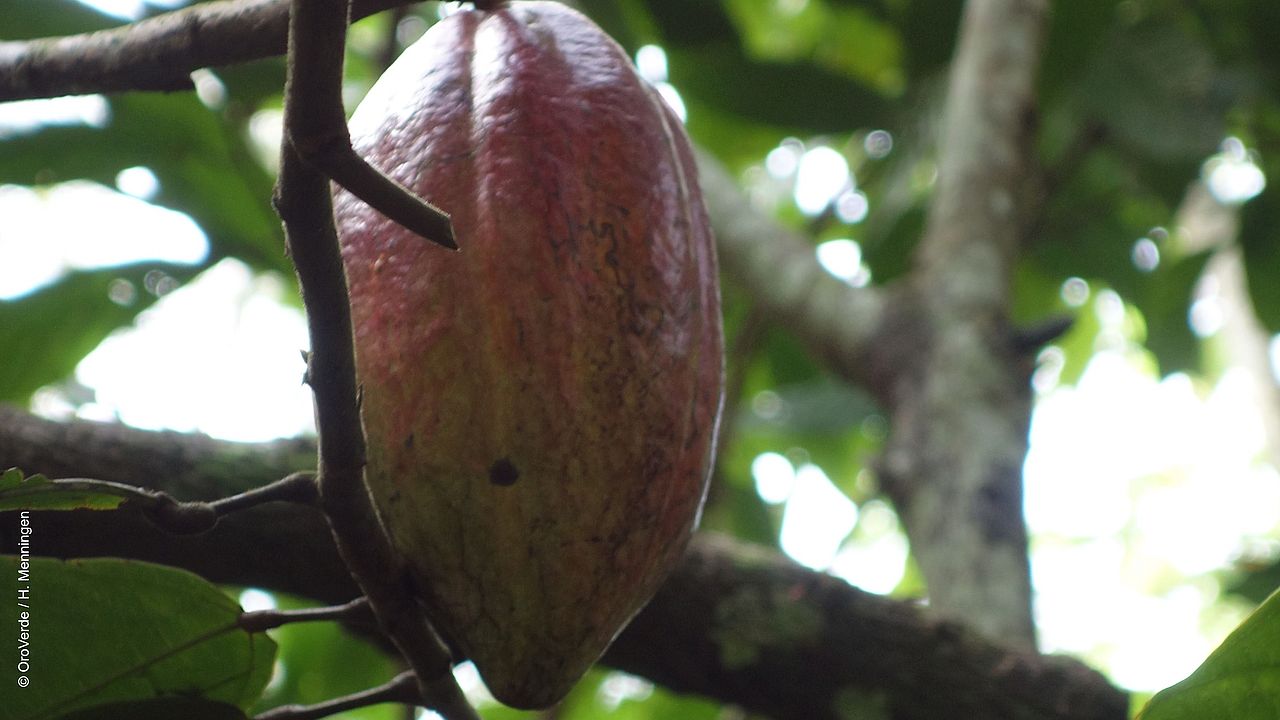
1157,89
170,708
1260,240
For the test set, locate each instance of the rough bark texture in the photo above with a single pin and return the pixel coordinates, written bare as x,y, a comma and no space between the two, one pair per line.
960,398
155,54
734,622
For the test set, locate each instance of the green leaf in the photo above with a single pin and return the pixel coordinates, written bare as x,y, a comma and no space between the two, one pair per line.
929,32
708,65
109,630
850,40
799,96
1239,681
24,19
1075,33
38,492
1157,89
46,333
160,709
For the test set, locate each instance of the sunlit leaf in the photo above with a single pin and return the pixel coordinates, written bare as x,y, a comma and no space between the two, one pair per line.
108,630
40,493
847,39
1239,681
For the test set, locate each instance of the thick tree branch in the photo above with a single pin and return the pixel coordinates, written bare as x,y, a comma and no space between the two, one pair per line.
961,400
155,54
735,623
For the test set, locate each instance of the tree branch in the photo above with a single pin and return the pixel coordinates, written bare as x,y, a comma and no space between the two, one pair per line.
961,402
735,623
155,54
317,33
402,689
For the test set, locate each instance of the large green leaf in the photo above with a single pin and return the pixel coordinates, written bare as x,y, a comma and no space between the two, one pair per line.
109,630
1239,681
46,333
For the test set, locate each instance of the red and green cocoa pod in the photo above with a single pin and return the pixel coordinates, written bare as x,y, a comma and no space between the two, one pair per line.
541,407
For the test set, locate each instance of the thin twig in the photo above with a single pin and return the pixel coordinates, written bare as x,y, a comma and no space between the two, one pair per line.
330,151
169,514
263,620
299,487
402,689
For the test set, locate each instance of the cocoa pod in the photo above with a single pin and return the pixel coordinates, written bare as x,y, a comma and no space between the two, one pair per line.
541,407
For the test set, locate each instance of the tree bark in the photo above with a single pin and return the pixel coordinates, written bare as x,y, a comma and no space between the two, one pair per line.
960,397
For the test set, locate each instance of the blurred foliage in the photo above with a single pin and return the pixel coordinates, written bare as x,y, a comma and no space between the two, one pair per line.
1136,95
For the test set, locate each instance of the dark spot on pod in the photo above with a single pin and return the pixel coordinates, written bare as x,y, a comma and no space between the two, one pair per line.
408,441
503,473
